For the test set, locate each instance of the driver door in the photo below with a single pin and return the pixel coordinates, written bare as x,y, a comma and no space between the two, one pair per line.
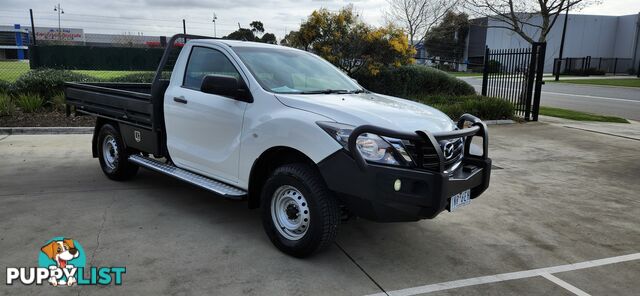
203,130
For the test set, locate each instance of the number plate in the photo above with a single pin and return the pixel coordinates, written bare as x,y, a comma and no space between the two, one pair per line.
460,200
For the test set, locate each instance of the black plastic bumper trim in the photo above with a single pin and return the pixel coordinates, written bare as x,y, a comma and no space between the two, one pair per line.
368,189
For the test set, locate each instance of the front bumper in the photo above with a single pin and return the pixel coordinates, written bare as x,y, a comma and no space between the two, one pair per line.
369,190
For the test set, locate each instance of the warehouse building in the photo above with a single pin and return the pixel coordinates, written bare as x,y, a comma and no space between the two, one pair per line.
609,43
15,40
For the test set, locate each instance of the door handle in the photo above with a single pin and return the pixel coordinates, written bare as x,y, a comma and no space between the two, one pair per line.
180,99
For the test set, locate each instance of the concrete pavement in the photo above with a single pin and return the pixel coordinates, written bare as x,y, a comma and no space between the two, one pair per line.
558,195
606,100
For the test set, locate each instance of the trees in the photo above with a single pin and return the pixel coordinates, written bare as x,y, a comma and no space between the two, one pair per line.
252,34
257,27
518,15
447,40
269,38
418,16
346,41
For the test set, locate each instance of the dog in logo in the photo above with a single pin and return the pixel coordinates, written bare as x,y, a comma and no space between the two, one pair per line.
61,251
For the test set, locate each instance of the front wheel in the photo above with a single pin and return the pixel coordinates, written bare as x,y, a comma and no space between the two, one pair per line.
299,213
113,156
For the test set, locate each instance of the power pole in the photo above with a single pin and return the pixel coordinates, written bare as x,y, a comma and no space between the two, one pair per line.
33,27
564,32
214,24
58,9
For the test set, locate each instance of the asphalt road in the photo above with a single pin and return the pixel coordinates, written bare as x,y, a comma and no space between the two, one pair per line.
558,196
606,100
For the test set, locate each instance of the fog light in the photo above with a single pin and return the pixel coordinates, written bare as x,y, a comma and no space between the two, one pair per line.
397,185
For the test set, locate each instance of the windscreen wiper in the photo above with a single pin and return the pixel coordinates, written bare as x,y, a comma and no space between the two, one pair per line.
333,91
326,91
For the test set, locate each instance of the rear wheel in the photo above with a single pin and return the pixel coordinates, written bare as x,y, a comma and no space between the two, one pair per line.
299,213
113,156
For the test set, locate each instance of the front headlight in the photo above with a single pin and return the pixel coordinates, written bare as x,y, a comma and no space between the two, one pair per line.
372,147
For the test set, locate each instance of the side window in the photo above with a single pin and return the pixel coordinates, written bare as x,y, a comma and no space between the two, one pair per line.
205,61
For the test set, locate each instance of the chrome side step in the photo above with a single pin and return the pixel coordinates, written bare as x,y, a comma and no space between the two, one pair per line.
218,187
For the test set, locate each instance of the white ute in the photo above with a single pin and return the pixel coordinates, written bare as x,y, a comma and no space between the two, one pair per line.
290,133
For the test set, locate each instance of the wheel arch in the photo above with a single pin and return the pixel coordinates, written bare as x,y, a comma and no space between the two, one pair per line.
268,161
96,132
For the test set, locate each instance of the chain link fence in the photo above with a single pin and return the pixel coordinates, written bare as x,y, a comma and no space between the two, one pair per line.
99,48
100,57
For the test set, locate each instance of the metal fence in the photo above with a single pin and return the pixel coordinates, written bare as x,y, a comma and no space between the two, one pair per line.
96,48
588,65
516,76
97,57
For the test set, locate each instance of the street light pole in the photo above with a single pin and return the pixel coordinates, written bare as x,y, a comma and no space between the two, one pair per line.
214,24
564,32
58,8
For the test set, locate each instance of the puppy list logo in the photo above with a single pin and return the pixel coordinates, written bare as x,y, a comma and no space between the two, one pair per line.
61,262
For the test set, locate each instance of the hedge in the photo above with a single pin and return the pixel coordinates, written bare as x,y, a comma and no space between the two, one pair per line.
486,108
47,82
427,85
414,80
140,77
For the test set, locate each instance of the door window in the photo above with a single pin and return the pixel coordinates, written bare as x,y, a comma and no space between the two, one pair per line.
206,61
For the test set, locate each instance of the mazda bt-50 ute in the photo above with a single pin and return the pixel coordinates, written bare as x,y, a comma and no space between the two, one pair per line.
288,132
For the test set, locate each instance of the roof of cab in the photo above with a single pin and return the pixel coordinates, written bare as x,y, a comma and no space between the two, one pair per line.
237,43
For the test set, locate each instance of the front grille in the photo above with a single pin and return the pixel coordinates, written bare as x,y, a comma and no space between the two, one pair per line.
424,154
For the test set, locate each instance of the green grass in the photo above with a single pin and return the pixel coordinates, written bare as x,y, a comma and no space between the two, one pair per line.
580,116
107,74
11,70
628,82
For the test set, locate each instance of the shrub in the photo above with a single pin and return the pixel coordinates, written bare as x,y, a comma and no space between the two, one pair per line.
47,82
7,107
140,77
57,102
135,77
29,102
486,108
5,87
414,81
584,72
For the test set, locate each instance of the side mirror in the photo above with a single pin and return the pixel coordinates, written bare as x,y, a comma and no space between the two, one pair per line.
227,86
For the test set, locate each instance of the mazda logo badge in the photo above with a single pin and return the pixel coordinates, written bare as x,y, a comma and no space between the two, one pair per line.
447,150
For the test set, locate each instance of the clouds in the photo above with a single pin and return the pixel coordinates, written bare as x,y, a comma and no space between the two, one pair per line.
164,17
153,17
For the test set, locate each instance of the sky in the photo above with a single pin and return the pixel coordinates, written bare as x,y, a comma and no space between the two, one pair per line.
164,17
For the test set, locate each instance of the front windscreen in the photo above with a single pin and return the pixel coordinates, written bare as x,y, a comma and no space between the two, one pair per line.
282,70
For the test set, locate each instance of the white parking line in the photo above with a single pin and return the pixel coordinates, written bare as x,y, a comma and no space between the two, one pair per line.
591,97
573,289
570,95
510,276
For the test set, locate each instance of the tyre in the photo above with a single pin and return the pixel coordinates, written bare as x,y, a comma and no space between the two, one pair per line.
299,213
113,156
